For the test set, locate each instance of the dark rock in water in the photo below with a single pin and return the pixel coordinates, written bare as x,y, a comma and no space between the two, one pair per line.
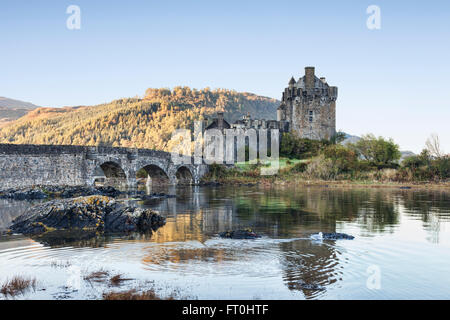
337,236
310,286
23,194
153,196
108,191
99,213
48,192
239,234
163,195
211,184
331,236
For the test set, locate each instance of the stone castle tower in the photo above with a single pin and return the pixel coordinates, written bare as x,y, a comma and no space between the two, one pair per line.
308,107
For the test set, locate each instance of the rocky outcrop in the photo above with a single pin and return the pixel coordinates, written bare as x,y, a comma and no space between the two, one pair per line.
239,234
92,213
48,192
64,192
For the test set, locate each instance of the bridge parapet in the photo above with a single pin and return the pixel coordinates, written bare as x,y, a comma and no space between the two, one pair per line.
27,165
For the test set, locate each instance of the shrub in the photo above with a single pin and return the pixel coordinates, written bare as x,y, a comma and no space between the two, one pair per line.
253,171
387,175
320,168
425,167
343,159
365,166
441,167
217,171
293,147
380,152
338,137
299,167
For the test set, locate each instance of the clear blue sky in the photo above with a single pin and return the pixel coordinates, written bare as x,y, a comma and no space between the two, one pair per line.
392,82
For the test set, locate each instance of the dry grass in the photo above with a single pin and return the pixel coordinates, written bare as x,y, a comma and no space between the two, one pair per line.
132,295
117,280
98,276
17,285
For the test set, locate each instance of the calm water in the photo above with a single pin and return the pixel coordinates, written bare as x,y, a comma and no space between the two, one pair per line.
401,235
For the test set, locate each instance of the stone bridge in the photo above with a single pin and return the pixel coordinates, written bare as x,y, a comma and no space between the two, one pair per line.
27,165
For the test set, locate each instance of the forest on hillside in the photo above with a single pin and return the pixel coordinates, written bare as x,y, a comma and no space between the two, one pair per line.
135,122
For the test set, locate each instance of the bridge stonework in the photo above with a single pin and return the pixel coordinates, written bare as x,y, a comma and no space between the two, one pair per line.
28,165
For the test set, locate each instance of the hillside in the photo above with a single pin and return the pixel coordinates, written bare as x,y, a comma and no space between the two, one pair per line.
132,122
11,109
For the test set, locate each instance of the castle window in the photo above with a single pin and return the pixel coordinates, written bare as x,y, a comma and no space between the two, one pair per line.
310,116
310,119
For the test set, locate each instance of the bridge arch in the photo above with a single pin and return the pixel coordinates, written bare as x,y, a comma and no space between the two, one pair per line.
155,175
184,175
113,172
113,169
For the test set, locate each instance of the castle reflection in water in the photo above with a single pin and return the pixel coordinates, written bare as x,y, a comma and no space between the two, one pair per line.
200,213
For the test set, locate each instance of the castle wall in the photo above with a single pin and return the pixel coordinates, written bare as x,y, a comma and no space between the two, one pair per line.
323,115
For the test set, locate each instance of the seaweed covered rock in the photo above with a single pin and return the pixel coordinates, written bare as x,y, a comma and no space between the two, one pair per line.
47,192
89,213
239,234
23,194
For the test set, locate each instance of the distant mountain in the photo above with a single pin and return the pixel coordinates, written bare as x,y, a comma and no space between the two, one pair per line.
11,109
350,139
16,104
406,154
134,122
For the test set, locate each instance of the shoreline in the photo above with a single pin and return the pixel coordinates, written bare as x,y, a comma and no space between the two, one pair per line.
63,192
330,184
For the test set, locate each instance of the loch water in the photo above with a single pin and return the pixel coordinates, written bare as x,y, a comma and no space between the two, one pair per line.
401,248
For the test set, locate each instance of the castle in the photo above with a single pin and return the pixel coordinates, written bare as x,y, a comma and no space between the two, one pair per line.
309,106
307,109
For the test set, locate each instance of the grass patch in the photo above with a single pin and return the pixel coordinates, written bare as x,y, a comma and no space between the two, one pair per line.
283,163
